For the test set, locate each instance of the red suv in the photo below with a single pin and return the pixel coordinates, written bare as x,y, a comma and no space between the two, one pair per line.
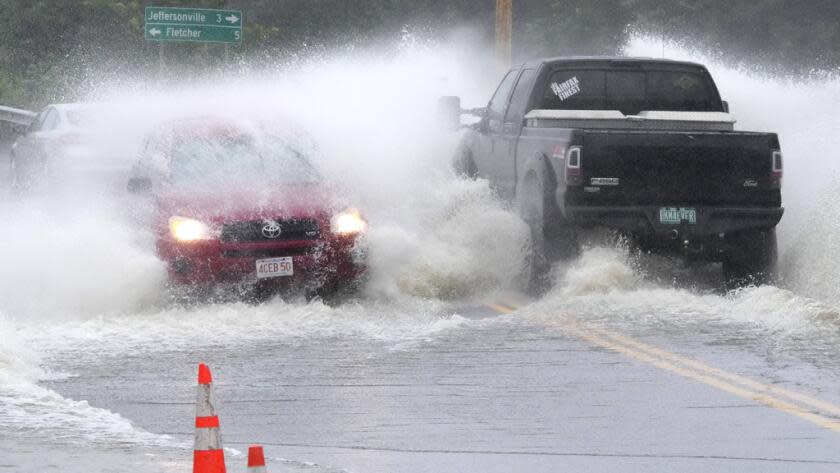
231,207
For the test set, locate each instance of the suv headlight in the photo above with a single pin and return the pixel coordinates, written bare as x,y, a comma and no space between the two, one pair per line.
188,229
348,222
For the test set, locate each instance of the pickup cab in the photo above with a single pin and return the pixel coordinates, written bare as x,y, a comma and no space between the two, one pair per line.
645,147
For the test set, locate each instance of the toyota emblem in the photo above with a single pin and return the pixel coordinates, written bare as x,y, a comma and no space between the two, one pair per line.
271,229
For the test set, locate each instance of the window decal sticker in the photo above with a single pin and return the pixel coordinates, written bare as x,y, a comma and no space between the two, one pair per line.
566,89
685,83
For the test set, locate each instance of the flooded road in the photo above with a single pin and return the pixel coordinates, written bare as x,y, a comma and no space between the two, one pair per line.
428,388
629,363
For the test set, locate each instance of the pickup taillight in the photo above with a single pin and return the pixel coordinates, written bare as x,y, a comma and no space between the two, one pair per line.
573,162
777,169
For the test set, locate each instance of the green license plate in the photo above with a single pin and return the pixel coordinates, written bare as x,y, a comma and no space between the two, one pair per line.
676,215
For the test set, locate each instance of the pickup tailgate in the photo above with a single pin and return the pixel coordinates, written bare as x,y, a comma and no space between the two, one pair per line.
677,168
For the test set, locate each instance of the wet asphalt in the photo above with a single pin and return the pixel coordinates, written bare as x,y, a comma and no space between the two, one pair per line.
499,393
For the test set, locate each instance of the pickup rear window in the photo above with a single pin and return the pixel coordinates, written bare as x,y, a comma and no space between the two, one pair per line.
630,91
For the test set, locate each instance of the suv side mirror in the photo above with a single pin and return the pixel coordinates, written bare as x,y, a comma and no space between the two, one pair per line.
484,123
139,185
449,112
725,106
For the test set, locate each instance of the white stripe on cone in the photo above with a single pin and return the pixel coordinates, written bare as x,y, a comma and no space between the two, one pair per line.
204,402
206,438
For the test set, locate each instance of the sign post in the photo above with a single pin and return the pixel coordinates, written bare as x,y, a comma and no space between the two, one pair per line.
193,24
504,31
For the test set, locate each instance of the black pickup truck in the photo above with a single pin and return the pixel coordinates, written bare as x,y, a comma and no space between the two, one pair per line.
645,147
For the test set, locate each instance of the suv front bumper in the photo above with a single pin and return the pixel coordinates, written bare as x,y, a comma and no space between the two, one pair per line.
316,264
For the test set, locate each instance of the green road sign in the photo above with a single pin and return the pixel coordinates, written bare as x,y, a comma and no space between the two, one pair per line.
193,24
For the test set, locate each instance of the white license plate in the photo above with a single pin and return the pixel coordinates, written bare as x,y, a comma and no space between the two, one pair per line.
677,215
274,267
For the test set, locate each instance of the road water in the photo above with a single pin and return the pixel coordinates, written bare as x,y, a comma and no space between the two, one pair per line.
97,368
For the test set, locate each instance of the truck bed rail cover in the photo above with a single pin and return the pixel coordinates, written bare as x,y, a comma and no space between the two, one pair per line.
614,119
576,115
718,117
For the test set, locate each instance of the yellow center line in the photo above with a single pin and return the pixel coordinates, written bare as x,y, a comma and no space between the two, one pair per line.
762,398
500,308
746,382
737,385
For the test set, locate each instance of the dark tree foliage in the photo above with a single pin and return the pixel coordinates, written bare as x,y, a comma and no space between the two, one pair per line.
570,27
49,48
779,35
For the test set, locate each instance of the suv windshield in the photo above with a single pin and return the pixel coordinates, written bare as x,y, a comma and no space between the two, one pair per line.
227,158
630,91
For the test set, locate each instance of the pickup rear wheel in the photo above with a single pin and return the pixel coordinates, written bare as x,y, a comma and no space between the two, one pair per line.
537,263
751,258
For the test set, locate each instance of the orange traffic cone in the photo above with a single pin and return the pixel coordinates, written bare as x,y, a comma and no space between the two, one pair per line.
256,459
208,456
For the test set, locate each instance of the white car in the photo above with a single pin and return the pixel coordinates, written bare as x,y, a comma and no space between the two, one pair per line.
57,144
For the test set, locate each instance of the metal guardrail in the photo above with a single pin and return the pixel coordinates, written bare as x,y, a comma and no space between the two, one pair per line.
13,123
16,116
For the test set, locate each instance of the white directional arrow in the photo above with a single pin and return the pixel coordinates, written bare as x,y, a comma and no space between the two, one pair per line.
154,32
232,18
